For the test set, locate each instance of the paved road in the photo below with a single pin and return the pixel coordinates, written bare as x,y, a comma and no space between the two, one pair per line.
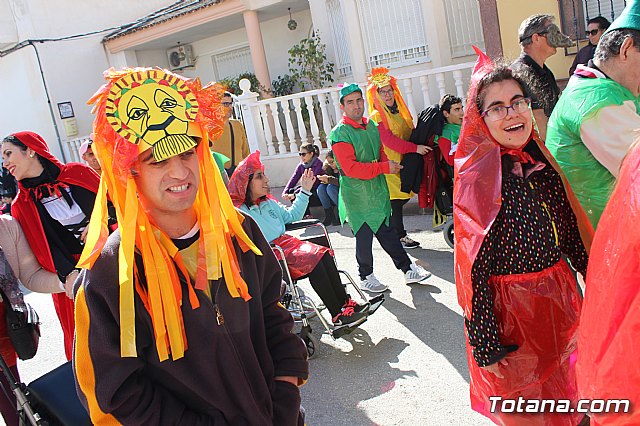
405,366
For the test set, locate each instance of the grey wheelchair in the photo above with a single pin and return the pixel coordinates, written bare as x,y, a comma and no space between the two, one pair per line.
302,307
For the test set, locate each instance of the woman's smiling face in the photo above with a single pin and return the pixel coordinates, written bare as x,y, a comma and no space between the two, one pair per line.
259,185
21,164
514,130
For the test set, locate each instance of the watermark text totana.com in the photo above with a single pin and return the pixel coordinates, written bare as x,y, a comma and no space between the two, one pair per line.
522,405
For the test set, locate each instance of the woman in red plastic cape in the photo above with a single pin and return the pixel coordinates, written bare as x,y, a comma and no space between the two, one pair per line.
249,191
53,207
607,367
514,217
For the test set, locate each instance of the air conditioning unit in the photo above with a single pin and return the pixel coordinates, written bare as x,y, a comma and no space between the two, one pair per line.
180,57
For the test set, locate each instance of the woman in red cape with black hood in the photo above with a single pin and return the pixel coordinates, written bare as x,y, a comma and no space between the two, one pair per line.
53,206
514,217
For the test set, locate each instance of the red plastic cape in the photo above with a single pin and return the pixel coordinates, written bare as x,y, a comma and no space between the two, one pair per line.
24,209
302,256
541,312
607,366
477,194
239,180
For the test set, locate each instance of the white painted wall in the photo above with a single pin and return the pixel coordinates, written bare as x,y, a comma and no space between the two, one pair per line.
278,39
154,58
8,30
23,105
73,69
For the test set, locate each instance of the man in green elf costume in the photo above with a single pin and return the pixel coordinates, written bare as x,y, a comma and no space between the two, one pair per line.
596,119
364,195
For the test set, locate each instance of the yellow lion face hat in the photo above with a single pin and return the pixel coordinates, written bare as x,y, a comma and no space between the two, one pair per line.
145,108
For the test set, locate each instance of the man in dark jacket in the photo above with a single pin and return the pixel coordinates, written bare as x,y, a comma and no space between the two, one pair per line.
595,27
178,318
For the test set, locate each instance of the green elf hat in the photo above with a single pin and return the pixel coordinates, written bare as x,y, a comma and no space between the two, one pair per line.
628,19
349,88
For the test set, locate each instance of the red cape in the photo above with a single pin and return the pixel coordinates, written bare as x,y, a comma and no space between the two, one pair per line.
608,367
23,207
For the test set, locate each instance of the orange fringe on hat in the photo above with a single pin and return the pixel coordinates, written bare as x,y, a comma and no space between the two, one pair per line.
378,79
218,219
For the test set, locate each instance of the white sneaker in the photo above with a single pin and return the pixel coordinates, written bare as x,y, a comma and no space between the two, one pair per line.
416,274
372,284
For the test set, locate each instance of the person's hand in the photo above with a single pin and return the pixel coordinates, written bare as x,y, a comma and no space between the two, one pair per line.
495,368
307,180
69,282
394,167
83,236
423,149
323,178
290,379
288,197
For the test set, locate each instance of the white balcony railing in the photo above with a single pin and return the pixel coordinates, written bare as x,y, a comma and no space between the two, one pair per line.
278,126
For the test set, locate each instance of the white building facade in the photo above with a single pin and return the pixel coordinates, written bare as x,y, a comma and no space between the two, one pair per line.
213,39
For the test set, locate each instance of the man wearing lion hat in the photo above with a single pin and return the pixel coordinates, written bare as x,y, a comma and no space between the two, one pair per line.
178,320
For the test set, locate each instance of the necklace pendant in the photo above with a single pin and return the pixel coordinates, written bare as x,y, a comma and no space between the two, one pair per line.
219,316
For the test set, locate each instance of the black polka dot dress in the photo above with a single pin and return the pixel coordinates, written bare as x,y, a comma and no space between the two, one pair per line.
533,229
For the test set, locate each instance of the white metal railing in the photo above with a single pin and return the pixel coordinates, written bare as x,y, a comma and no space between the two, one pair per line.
278,126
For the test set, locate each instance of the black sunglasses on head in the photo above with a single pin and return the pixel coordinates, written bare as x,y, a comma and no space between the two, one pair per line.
592,32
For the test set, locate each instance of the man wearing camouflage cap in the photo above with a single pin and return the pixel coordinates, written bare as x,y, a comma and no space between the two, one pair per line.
539,40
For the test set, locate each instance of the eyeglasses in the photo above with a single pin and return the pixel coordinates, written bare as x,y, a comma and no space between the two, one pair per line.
592,32
386,92
302,154
227,104
499,112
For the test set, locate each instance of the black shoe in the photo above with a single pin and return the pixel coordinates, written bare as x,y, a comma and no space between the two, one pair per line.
329,218
408,243
349,317
357,308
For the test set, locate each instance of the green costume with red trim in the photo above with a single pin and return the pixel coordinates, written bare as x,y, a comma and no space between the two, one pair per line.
362,201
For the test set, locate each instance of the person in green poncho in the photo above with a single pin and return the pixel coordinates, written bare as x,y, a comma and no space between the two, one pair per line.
596,119
364,195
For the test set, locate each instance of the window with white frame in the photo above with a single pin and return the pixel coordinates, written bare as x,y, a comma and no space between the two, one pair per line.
575,13
465,26
337,25
232,63
609,9
393,32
